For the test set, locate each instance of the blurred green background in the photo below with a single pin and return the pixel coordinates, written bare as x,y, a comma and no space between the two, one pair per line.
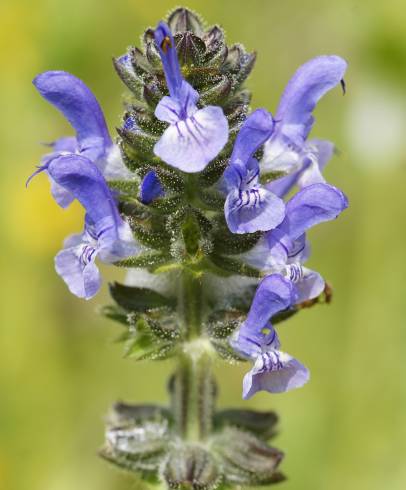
60,370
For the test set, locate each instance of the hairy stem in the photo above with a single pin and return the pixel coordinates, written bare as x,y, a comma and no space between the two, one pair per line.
192,386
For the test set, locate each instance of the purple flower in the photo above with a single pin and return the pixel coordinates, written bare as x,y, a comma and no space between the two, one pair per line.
288,150
150,188
106,235
273,370
285,248
194,136
80,107
249,206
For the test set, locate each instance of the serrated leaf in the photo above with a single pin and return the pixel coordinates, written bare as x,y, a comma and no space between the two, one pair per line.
138,299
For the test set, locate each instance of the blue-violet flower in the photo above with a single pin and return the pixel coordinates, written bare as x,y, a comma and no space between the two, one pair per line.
288,150
249,206
273,370
194,136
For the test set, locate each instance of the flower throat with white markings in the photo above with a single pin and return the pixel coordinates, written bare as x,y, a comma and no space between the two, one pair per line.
206,202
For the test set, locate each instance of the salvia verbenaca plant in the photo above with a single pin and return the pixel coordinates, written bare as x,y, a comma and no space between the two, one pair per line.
191,198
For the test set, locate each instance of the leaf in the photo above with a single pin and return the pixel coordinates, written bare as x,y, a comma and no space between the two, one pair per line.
148,260
136,443
234,266
138,299
183,19
123,414
260,423
246,459
225,351
115,313
191,467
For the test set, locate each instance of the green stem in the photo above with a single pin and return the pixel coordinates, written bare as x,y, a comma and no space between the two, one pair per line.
192,387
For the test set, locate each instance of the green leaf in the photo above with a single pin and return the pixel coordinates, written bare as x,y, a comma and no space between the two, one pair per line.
191,49
260,423
191,234
140,141
246,459
225,351
115,313
227,243
149,261
234,266
183,19
138,299
125,187
191,467
124,414
137,438
145,348
267,177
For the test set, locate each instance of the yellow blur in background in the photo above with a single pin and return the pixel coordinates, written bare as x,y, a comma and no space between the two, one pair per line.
59,367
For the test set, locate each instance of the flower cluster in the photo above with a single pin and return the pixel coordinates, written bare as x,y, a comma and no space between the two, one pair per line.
270,157
207,203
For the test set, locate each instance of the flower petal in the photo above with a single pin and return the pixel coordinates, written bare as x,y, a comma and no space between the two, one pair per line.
310,82
282,186
312,205
251,210
310,286
79,176
150,188
264,377
274,294
60,194
77,103
167,50
114,167
66,143
82,277
321,152
191,144
270,253
256,129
